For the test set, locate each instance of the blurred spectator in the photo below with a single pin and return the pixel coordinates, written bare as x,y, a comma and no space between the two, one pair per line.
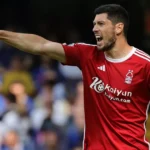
59,91
43,105
3,130
23,100
75,129
45,93
17,115
16,72
61,112
72,76
13,142
69,72
43,72
12,120
48,137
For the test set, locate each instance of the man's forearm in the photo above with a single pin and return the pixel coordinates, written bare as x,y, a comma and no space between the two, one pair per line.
27,42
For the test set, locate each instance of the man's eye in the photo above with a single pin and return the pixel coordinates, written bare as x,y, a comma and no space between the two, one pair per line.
101,23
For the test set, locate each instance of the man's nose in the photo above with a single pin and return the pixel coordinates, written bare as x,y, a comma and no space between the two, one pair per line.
95,29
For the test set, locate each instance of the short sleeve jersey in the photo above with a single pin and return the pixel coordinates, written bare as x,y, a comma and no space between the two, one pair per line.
116,97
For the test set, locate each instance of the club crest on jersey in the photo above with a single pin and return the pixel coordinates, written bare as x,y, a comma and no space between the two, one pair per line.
129,77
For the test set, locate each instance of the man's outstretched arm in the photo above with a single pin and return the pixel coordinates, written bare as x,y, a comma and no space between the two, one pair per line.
35,44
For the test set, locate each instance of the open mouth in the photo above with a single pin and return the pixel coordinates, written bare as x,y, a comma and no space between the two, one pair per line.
98,38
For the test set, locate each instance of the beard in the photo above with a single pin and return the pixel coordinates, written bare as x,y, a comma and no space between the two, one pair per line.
108,45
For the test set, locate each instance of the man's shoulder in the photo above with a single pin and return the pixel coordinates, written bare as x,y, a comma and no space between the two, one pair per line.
142,56
84,45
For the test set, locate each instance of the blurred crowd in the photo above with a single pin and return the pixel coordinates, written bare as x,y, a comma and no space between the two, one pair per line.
41,101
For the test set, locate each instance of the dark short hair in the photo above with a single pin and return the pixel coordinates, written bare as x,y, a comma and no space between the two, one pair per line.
116,14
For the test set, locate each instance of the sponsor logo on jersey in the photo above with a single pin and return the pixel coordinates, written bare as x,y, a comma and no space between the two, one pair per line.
99,86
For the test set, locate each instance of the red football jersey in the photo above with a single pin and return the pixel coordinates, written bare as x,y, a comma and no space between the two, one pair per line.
116,97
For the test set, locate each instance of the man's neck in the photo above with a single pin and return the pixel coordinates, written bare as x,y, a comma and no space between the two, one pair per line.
120,50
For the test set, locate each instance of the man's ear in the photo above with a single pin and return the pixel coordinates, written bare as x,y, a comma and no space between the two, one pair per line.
119,28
